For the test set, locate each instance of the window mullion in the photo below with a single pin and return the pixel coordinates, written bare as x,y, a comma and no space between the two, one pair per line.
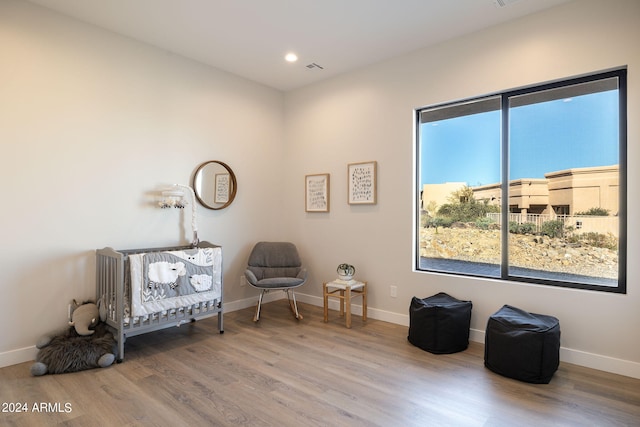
504,187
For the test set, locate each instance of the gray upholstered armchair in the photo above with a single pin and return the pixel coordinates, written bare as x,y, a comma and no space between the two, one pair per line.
276,266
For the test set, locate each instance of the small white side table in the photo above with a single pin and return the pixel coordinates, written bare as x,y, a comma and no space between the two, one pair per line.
344,291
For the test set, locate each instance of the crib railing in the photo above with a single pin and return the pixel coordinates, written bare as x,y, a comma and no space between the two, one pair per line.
111,291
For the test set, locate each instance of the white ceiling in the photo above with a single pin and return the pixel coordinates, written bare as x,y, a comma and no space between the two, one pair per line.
250,37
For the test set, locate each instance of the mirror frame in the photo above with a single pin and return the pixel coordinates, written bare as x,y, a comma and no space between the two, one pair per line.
232,193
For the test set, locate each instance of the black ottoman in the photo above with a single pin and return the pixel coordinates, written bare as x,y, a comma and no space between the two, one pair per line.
521,345
439,324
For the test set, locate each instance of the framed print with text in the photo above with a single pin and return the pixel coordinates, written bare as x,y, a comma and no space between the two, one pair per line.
362,183
316,197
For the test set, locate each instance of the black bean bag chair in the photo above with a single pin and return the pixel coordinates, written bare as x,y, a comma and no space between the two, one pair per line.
521,345
440,323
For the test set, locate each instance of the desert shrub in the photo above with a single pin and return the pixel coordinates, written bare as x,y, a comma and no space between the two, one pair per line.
424,219
442,221
524,228
484,223
595,212
466,212
552,228
528,228
427,221
599,240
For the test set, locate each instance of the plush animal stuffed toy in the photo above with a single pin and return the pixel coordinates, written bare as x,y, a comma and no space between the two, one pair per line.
84,317
77,348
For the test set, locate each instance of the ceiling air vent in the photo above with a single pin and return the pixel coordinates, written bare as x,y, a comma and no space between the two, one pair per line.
314,65
504,3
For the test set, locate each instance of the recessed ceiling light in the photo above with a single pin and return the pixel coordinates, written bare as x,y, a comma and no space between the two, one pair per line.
291,57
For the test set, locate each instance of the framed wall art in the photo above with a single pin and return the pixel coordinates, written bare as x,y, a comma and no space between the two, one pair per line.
316,193
362,183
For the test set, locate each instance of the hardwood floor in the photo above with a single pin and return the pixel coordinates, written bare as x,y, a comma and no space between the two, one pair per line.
283,372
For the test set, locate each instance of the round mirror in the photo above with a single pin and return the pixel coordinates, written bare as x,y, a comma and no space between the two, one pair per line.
214,184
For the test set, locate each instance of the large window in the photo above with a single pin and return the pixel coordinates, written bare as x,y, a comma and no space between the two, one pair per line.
527,185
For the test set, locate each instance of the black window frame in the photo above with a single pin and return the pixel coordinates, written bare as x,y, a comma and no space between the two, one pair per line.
477,102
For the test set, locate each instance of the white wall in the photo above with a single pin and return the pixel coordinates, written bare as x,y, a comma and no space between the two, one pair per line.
367,115
91,124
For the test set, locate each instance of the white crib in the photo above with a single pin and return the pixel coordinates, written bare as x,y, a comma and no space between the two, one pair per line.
114,296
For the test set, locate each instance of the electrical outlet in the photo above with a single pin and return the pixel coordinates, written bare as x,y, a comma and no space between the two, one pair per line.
243,280
394,291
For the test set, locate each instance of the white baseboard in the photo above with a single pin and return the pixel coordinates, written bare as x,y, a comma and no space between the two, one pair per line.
601,363
27,354
20,355
228,307
334,304
567,355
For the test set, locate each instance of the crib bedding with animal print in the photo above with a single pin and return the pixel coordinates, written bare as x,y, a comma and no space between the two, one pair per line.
171,286
165,280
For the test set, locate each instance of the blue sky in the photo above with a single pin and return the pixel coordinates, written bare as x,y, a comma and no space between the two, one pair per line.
555,135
